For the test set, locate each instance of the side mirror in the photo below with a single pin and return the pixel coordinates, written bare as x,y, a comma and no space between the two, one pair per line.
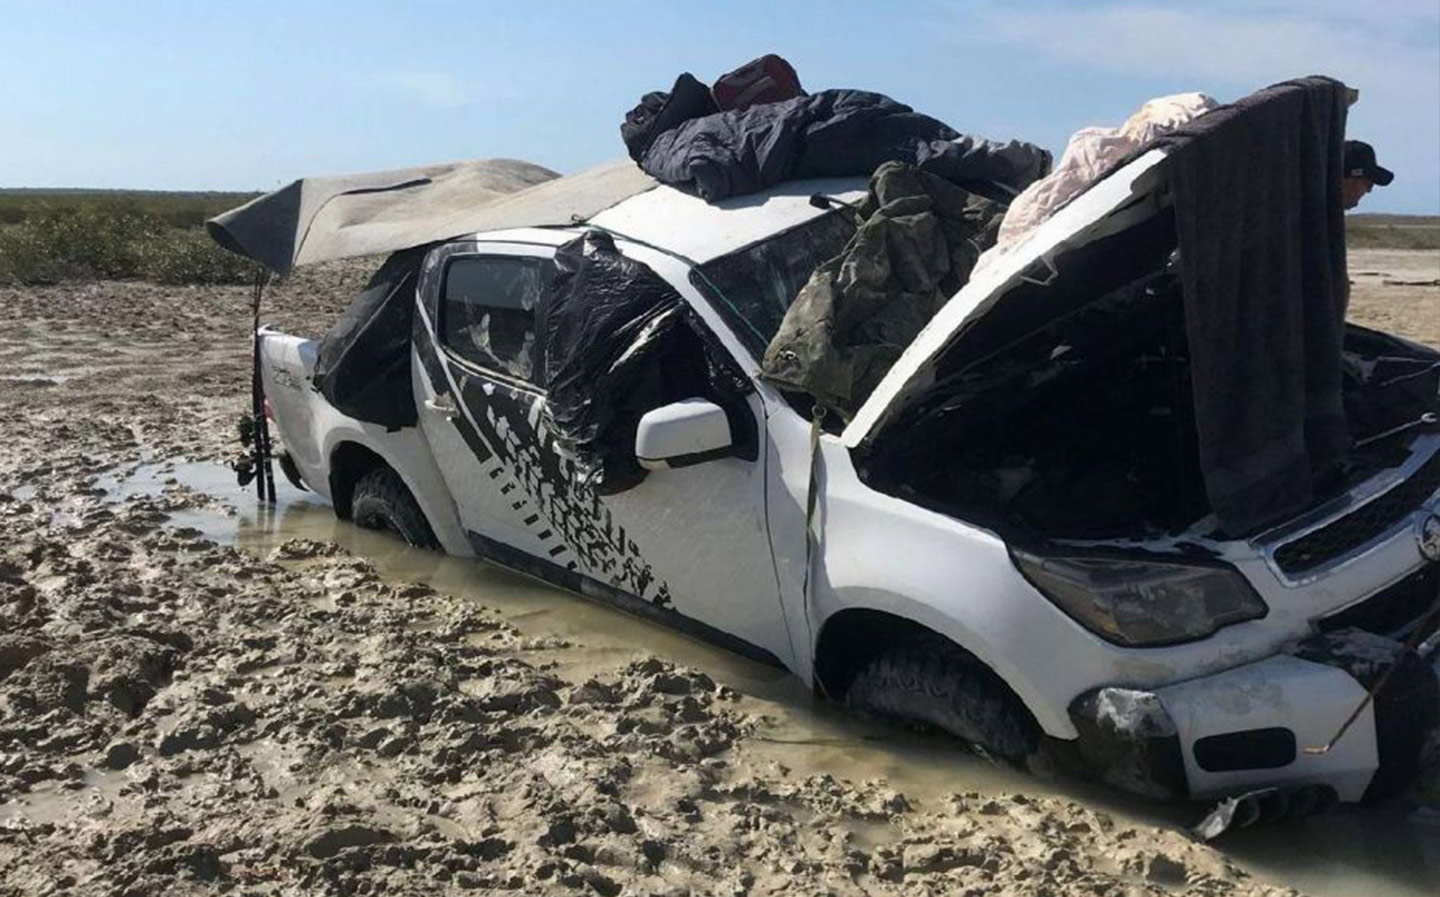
683,433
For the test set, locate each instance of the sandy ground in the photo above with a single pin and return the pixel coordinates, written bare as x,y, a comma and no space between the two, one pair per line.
181,716
1397,291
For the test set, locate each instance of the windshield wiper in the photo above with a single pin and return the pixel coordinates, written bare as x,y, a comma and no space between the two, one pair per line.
821,201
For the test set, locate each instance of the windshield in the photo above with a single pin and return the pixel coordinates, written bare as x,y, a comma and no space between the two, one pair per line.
753,287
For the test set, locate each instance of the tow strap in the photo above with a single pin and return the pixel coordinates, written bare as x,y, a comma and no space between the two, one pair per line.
817,414
1412,644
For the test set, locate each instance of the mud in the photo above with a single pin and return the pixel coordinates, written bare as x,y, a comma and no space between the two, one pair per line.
197,696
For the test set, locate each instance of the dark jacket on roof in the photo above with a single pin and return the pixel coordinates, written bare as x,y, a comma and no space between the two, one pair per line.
833,133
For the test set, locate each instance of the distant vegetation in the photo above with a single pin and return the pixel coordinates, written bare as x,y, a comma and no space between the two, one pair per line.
1393,231
48,236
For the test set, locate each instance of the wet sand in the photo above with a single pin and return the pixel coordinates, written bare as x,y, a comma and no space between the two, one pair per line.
198,695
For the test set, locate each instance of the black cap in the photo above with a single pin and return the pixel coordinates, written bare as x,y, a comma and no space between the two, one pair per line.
1360,163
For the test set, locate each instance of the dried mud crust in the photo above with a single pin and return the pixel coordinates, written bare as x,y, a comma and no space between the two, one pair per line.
180,717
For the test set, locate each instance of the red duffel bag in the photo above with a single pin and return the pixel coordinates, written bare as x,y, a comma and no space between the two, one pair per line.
768,79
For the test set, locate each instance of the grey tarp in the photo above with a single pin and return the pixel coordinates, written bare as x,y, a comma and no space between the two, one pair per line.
573,199
318,219
919,240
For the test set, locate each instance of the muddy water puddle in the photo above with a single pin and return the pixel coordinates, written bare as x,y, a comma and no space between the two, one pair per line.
92,790
1379,852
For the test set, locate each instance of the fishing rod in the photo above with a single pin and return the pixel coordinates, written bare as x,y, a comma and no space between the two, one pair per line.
260,434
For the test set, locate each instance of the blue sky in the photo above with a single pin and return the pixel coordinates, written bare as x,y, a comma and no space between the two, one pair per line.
248,95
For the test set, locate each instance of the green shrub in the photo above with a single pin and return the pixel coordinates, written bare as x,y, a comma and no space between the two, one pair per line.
174,209
112,241
1390,236
188,255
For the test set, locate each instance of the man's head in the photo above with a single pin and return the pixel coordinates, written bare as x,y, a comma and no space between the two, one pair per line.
1362,173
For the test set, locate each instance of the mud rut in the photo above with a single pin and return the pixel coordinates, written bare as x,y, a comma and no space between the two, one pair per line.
179,716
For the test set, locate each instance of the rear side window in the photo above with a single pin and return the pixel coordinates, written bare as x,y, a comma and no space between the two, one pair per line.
487,311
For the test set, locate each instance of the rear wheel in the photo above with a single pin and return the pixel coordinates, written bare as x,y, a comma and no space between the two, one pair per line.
934,683
382,502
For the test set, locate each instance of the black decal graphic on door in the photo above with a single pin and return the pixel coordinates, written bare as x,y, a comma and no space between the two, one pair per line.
569,517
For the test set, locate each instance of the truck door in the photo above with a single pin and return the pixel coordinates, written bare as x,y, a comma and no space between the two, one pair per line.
689,545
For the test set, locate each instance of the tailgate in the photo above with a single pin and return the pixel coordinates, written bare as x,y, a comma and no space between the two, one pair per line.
286,365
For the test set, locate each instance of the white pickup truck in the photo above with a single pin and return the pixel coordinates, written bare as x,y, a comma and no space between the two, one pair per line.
1181,663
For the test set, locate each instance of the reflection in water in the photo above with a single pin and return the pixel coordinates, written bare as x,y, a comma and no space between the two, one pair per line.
1352,851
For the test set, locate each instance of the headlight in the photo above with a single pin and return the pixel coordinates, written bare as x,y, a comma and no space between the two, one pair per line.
1141,603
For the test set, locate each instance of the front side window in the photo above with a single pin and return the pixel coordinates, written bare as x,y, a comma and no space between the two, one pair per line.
487,311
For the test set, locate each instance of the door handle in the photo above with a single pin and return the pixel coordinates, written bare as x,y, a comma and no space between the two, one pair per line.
442,407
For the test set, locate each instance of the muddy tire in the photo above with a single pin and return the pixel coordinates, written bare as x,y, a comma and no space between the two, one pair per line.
936,684
382,502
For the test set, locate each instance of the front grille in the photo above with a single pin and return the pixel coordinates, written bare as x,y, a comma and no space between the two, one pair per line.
1362,525
1393,609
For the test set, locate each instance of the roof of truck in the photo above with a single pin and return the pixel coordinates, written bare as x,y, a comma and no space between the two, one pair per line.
679,223
688,226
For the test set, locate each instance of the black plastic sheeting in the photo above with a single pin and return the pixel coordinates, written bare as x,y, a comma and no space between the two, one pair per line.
620,341
363,368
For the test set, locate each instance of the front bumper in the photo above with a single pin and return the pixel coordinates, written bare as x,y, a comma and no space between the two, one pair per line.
1248,727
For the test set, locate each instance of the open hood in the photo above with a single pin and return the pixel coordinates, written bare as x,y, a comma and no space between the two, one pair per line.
1128,197
1249,196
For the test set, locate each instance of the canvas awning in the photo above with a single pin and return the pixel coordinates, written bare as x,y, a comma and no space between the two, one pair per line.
319,219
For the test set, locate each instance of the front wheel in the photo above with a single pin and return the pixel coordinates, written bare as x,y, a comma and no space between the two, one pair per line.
381,501
935,683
